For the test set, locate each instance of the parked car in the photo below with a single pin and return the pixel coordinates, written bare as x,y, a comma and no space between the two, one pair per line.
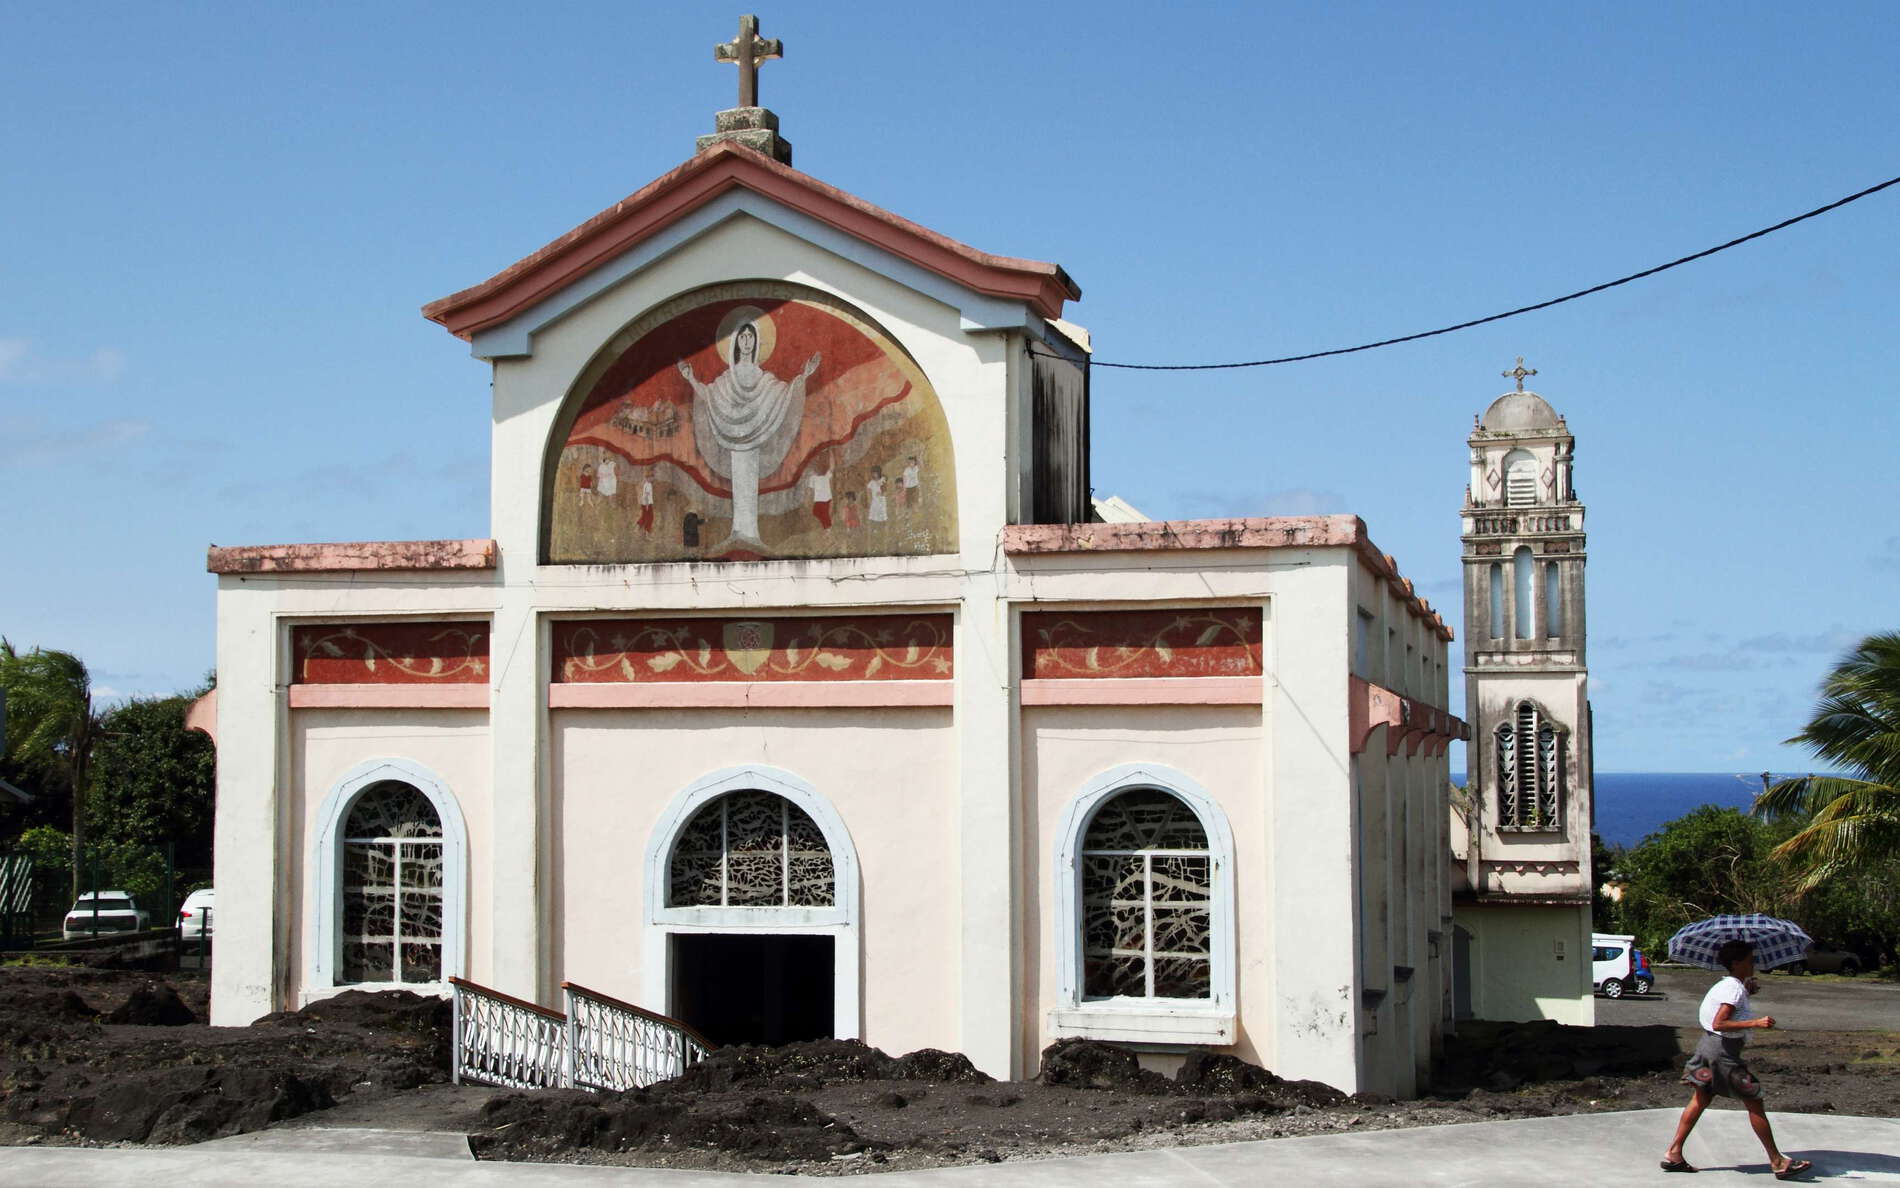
1611,969
194,915
1643,978
97,912
1828,959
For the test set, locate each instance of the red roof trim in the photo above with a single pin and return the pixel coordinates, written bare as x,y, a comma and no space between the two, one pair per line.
344,557
723,167
1264,532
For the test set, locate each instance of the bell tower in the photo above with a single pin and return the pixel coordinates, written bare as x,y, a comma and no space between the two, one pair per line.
1528,762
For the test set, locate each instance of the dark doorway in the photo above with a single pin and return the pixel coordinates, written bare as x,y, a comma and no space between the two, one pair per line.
753,988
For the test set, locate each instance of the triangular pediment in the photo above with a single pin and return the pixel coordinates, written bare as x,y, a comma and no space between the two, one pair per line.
719,173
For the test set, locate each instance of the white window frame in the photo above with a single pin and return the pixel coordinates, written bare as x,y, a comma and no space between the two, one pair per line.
323,925
1144,1020
840,921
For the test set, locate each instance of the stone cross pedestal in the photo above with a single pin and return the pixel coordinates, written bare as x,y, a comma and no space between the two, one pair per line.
748,124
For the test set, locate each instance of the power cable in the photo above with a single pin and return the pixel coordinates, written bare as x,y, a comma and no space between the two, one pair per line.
1622,280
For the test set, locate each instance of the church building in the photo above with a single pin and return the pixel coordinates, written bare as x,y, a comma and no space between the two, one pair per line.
797,692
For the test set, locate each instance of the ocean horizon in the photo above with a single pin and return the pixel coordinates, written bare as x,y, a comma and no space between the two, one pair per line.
1631,805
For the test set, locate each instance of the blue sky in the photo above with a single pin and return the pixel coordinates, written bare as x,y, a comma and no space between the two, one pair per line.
219,222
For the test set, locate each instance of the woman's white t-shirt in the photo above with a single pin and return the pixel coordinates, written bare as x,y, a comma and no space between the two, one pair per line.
1729,990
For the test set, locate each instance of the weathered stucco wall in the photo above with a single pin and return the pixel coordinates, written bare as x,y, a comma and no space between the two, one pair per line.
324,745
890,774
1515,972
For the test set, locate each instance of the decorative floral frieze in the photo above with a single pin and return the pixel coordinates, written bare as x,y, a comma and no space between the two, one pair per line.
855,648
454,653
1188,642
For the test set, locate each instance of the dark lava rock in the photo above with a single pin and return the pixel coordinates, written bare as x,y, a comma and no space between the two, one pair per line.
1218,1072
892,1101
153,1006
1091,1064
192,1103
770,1129
932,1064
812,1064
394,1013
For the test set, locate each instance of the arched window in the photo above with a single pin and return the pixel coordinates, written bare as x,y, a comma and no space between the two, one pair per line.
1553,600
1530,771
751,849
392,887
1145,911
389,870
1522,612
1520,479
1497,600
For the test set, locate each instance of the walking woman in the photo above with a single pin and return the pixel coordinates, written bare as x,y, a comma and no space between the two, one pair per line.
1716,1066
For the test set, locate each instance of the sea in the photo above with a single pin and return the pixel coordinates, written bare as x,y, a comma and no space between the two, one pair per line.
1631,805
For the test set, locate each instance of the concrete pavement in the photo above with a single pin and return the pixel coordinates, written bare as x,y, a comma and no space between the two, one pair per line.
1582,1149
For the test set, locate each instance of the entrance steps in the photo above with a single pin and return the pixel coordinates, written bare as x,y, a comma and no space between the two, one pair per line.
598,1042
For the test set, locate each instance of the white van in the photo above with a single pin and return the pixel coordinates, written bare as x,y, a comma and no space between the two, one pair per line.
1611,971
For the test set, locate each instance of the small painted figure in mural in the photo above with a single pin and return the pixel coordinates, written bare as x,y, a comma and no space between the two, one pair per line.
646,501
689,530
607,478
746,418
912,476
851,509
821,497
874,491
587,479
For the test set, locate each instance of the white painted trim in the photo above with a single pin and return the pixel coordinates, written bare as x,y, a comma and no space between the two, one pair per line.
841,921
1144,1020
324,955
514,338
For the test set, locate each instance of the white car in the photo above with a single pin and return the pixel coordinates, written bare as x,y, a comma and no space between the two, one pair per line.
194,915
99,912
1610,970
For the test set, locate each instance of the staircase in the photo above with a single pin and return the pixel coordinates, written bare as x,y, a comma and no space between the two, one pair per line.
599,1043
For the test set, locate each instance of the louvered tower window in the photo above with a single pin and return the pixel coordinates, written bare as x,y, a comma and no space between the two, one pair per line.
1530,771
1520,479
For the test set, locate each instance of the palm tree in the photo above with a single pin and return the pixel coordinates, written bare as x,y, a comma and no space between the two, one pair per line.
1851,820
51,724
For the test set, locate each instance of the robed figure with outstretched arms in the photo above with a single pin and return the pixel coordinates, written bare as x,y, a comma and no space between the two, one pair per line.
745,419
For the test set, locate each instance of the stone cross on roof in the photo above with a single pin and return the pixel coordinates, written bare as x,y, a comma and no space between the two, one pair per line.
1519,372
748,51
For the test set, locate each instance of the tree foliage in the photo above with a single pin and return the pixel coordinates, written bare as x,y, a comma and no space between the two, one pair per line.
51,725
153,780
1710,862
1849,823
1714,861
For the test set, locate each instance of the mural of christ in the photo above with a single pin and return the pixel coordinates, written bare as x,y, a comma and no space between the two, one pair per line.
746,418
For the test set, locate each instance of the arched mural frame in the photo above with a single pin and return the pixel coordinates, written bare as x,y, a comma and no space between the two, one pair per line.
931,479
842,921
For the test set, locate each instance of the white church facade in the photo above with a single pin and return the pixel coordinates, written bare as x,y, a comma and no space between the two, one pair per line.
795,693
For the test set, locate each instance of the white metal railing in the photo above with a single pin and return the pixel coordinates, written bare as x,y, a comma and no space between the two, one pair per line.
501,1040
617,1045
600,1043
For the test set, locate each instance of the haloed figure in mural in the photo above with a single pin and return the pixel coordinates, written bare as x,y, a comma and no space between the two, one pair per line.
747,418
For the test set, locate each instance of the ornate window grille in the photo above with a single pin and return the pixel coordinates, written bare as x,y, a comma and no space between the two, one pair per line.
392,887
1147,889
751,849
1530,771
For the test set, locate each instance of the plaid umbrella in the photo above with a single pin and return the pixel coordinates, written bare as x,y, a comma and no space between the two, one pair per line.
1777,942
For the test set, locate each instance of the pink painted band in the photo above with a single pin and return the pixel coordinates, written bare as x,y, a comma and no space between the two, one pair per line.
1144,691
389,697
346,556
763,694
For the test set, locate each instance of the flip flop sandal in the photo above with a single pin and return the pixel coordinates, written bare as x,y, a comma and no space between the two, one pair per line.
1795,1167
1677,1165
